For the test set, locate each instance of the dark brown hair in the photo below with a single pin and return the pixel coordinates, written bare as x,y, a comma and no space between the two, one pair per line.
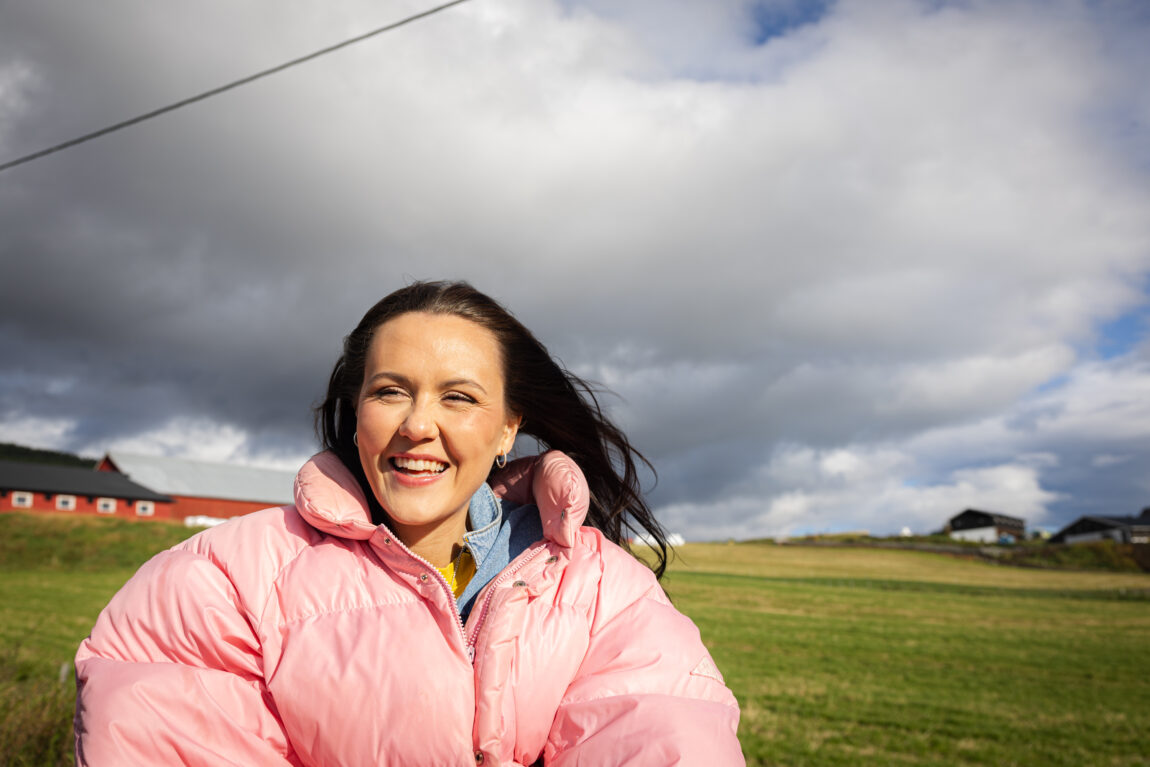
559,409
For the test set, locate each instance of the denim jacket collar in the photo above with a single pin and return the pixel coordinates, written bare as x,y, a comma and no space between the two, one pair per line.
496,537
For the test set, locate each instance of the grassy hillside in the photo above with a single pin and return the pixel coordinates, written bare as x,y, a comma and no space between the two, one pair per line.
837,656
66,542
57,572
863,656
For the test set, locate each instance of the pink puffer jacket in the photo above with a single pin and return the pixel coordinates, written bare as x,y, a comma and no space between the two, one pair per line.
306,635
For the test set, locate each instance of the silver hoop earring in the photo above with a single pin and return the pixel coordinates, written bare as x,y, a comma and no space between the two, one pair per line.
355,438
501,460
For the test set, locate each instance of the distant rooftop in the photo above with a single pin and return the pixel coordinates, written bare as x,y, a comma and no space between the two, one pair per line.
200,479
997,518
70,480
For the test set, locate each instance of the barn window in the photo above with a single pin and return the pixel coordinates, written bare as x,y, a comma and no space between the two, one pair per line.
145,508
106,505
21,500
66,502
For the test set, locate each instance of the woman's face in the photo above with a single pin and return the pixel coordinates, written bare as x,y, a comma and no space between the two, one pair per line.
431,418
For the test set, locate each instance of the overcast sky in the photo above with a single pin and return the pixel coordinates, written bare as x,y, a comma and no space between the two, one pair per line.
847,265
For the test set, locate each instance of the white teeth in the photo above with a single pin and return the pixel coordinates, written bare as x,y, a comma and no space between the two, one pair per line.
419,464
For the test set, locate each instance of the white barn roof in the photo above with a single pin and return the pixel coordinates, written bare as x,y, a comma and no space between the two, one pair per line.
199,479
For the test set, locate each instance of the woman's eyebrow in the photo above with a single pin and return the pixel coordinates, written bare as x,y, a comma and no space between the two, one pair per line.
463,382
402,380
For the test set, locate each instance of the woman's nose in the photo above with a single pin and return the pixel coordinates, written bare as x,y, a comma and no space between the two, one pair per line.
419,423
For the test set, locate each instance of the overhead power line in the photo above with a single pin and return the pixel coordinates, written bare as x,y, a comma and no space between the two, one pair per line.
223,88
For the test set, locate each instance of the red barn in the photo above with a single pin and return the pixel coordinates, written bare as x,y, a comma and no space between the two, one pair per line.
47,487
201,489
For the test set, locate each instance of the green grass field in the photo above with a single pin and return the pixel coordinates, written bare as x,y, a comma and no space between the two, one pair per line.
56,574
837,655
864,656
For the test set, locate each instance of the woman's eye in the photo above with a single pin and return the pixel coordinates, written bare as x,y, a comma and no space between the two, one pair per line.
458,398
389,392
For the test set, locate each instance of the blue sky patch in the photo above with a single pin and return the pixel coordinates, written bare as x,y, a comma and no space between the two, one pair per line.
1123,333
1054,383
776,19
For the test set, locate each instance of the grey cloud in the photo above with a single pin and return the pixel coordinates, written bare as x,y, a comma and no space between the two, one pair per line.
886,222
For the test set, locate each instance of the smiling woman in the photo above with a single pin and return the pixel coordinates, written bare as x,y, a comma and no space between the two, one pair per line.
431,419
423,602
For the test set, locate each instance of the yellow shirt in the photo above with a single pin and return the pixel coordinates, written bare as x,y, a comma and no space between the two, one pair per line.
459,572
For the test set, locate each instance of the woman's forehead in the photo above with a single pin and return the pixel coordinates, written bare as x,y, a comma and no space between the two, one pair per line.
441,342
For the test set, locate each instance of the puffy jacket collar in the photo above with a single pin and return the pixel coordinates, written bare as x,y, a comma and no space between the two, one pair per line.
560,490
329,498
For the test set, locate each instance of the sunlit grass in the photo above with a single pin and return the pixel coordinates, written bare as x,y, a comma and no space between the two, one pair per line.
769,560
57,571
843,656
838,656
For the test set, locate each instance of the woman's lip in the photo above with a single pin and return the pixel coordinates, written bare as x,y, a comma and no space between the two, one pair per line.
415,480
417,457
411,480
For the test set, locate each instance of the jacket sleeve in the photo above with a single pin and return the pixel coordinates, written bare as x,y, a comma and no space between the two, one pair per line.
647,691
172,674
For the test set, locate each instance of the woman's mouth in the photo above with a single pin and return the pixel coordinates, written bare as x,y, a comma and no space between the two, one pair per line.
417,467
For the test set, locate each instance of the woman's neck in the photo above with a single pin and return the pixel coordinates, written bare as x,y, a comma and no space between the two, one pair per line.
435,543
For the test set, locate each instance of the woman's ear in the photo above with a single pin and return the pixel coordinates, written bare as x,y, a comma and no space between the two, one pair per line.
510,431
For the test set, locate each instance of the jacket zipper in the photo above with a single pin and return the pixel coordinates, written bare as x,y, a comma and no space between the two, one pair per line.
446,587
490,589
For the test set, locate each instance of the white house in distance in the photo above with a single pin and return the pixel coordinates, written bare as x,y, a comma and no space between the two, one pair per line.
1099,528
986,527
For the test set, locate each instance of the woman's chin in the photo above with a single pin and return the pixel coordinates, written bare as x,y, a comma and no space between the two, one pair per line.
419,506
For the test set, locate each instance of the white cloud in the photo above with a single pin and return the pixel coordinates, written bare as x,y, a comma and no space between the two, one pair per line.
18,82
1107,459
862,488
36,431
975,384
197,439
